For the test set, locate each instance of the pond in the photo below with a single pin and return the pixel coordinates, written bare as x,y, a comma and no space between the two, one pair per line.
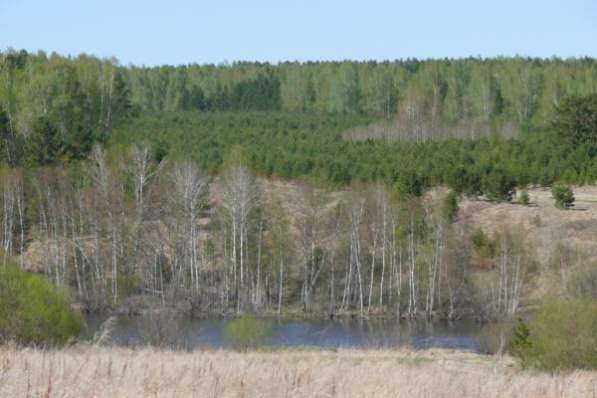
190,333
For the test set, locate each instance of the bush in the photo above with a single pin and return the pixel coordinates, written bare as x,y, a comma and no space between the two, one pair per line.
499,186
410,185
247,331
450,206
483,244
32,311
562,335
524,198
563,196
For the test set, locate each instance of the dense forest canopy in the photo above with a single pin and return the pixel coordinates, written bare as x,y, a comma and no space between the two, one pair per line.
54,108
521,89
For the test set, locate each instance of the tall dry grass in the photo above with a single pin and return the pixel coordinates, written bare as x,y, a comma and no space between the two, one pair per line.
119,372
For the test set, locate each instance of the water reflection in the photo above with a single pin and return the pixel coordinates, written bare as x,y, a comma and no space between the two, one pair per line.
373,333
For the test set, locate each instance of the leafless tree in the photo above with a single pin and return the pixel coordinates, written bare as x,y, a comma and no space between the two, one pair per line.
240,197
311,223
190,186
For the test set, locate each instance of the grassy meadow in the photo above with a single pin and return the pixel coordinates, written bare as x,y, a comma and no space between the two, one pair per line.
88,371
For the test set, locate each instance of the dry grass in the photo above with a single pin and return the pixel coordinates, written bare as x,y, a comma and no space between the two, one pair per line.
115,372
543,223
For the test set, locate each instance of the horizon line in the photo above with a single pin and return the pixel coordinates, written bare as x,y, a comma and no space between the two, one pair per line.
230,63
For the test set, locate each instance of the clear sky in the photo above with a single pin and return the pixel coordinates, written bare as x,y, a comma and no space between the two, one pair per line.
152,32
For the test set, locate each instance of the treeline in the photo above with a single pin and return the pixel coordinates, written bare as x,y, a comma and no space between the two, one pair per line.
523,90
416,99
53,107
134,232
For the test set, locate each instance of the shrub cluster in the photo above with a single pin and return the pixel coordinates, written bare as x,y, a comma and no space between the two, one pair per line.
562,335
450,206
32,311
247,331
563,196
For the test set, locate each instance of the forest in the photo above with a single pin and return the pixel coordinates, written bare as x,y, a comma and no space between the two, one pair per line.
142,186
338,120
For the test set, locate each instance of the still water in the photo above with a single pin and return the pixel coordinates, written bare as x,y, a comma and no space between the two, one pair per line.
192,333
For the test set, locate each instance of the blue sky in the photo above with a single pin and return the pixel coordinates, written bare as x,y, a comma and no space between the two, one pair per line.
175,32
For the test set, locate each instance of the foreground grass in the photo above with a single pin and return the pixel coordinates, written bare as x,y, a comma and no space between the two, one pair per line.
118,372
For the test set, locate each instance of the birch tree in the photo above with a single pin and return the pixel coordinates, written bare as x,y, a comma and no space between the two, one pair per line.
311,223
190,186
239,198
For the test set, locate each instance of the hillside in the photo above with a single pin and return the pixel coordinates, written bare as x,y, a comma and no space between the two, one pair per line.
541,221
544,224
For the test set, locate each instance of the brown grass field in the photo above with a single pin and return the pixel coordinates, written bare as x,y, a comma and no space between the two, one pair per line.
86,371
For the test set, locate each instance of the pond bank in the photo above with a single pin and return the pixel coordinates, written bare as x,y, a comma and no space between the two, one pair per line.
286,313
